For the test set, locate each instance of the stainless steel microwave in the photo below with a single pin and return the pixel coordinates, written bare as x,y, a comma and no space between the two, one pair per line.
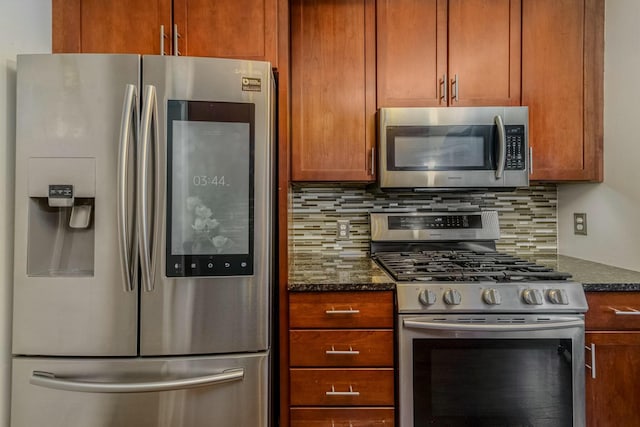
453,148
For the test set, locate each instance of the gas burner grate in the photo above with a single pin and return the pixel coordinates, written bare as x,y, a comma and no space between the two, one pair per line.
463,265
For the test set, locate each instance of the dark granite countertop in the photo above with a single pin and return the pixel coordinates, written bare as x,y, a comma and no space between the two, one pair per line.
317,273
311,272
597,277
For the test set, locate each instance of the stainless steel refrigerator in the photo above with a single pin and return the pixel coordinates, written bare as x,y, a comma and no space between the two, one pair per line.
143,242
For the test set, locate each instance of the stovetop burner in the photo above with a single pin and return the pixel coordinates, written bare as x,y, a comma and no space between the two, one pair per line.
447,263
463,265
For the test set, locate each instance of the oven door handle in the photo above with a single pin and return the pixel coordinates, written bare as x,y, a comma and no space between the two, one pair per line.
456,326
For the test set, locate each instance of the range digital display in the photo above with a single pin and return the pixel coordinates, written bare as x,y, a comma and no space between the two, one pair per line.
435,222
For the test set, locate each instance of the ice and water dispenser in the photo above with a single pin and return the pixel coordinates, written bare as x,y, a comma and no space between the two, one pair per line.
61,232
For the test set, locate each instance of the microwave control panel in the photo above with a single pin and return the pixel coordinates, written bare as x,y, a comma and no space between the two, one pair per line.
516,151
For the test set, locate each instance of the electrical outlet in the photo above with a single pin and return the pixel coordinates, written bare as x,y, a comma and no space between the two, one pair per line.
580,224
343,227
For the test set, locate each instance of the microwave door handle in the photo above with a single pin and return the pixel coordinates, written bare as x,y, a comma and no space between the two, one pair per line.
502,147
128,127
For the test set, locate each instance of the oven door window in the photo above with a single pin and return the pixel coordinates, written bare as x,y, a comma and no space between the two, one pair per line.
441,148
497,382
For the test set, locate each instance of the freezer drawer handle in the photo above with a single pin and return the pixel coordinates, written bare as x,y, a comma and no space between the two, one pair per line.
49,380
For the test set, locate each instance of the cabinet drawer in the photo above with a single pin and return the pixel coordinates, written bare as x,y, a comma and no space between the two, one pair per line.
342,417
345,347
341,387
602,311
341,309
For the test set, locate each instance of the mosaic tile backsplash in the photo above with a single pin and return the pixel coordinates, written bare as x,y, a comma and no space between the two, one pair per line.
528,217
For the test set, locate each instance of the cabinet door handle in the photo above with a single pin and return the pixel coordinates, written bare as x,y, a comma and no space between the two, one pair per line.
530,160
592,367
163,36
351,351
349,311
455,88
333,392
373,161
176,36
443,89
629,312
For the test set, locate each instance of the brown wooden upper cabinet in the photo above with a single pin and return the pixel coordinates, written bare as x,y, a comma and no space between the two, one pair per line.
244,29
562,84
332,90
448,52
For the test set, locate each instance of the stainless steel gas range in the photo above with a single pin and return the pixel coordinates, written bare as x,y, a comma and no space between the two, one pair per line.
485,338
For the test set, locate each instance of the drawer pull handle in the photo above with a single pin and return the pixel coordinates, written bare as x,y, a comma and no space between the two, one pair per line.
629,312
349,311
351,351
333,392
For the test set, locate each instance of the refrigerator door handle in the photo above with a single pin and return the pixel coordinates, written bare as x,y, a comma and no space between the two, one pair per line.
128,128
49,380
149,123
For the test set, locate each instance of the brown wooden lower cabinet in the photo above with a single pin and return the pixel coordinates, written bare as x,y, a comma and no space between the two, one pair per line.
613,395
342,417
612,343
344,348
341,310
341,359
341,387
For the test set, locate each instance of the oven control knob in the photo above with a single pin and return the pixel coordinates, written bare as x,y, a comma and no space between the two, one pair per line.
558,296
427,297
452,297
532,296
491,296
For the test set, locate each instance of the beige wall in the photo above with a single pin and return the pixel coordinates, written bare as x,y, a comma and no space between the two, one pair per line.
613,207
25,27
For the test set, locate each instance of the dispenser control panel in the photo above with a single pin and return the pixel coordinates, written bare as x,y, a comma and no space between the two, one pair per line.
61,195
61,191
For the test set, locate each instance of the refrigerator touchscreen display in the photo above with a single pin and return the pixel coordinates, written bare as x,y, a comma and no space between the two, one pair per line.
210,190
